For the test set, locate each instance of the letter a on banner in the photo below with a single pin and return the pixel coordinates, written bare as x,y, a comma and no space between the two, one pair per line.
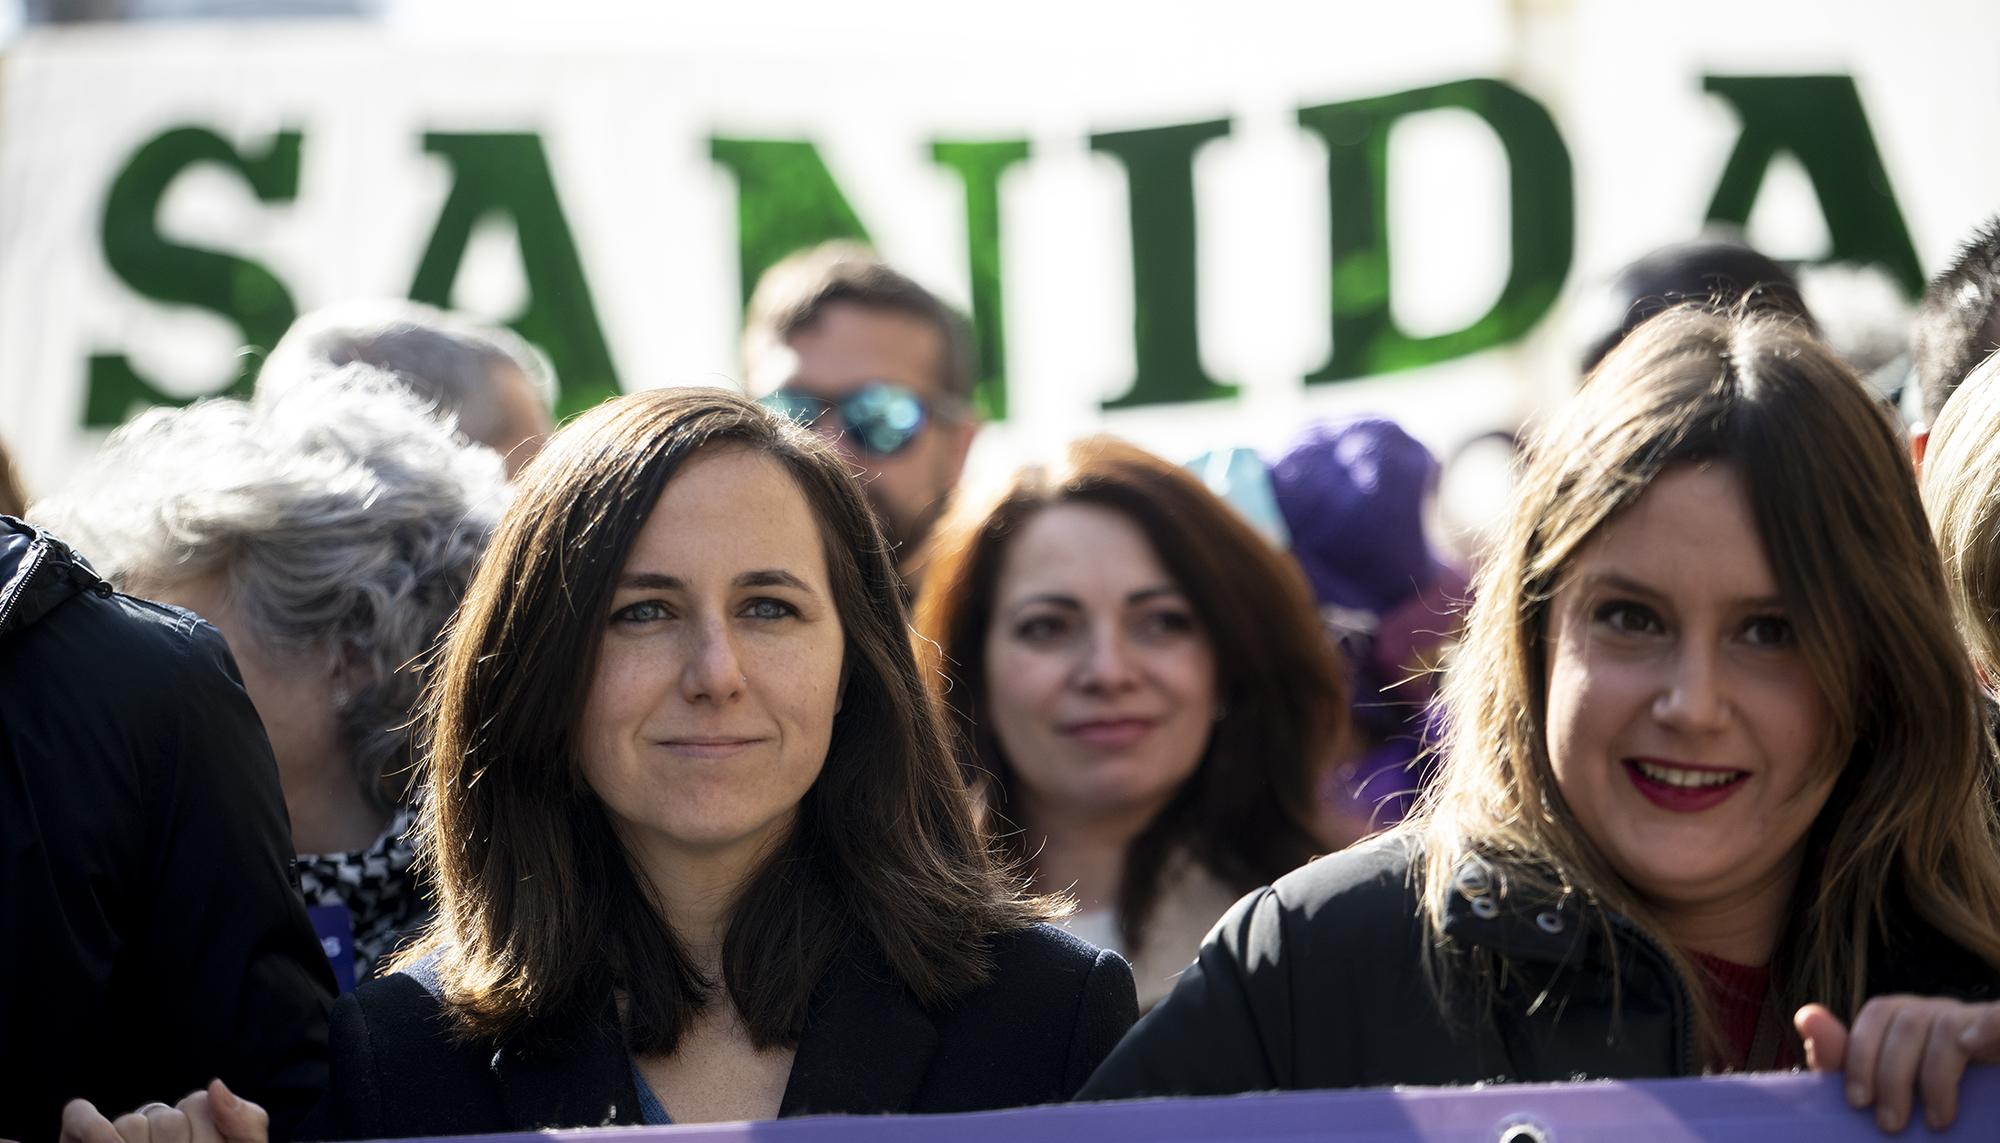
509,175
1819,119
237,289
1543,228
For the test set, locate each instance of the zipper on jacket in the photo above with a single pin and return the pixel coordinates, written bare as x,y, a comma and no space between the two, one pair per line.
38,551
1683,1003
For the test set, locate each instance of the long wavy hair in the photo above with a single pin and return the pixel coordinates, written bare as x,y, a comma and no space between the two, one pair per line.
539,908
1245,814
1910,822
1961,484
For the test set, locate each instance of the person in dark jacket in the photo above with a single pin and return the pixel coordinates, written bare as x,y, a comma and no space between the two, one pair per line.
151,933
702,850
1715,795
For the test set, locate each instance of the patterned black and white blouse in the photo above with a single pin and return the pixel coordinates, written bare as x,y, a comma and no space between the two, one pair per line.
378,887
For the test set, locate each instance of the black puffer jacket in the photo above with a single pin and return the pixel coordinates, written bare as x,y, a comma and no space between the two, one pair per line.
150,935
1318,982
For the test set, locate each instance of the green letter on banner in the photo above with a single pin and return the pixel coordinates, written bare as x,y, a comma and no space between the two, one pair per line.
980,165
1543,231
509,175
786,200
165,271
1819,119
1159,168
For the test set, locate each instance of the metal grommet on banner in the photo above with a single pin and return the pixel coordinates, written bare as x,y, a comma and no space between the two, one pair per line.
1522,1129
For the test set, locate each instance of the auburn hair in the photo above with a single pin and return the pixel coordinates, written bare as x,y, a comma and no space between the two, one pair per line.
1246,813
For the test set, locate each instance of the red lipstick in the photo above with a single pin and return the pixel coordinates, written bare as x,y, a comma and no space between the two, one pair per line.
1682,799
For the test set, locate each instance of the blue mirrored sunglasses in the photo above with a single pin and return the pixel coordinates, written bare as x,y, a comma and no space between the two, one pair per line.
881,418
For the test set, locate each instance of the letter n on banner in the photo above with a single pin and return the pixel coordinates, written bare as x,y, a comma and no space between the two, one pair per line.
165,271
1542,230
981,165
508,174
786,200
1818,118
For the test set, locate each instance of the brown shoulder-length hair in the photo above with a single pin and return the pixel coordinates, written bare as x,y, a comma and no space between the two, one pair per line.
539,907
1909,825
1245,814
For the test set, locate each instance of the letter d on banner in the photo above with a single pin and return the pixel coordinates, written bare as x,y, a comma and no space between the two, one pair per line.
1543,231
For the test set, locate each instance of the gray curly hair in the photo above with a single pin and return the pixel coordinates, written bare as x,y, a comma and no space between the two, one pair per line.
345,517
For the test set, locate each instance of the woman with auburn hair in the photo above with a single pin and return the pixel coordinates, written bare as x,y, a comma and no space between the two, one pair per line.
1715,795
1142,692
702,851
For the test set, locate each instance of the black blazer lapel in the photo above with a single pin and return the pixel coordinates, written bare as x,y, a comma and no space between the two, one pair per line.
575,1073
866,1047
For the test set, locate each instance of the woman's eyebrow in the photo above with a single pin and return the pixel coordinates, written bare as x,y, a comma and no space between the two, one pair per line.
651,581
762,577
1617,581
1050,598
773,577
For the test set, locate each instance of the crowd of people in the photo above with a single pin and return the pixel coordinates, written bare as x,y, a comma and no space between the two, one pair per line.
382,760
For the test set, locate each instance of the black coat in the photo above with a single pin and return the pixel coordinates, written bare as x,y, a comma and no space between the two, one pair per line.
151,937
1318,982
1031,1035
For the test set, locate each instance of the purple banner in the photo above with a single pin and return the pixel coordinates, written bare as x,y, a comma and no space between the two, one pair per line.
1728,1109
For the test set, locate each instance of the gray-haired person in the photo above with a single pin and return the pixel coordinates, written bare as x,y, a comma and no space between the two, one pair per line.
491,382
328,532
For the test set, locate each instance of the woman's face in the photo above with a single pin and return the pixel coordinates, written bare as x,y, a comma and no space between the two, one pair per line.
712,700
1100,679
293,694
1684,723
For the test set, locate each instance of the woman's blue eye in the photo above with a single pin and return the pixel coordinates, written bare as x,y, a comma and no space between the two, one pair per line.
645,611
770,609
1627,618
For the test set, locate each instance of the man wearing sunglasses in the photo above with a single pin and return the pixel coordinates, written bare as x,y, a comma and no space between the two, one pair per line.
838,340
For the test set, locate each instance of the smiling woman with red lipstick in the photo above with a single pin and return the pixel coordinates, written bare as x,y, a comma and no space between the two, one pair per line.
1143,691
1716,793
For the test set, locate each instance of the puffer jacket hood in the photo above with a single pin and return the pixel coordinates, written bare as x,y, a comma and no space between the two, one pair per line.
37,573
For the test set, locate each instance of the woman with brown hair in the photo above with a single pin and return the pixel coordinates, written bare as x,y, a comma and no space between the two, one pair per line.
1716,775
701,849
1142,692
